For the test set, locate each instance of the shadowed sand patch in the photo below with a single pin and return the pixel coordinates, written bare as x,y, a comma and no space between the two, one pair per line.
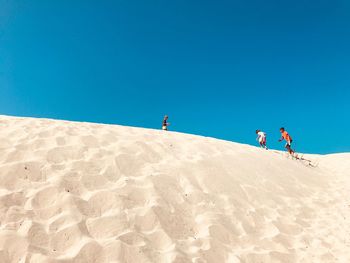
129,164
107,226
132,239
133,197
13,247
91,252
111,173
12,199
46,213
64,219
113,250
37,235
92,182
90,141
146,221
72,184
66,238
177,224
20,174
65,153
159,240
45,198
105,201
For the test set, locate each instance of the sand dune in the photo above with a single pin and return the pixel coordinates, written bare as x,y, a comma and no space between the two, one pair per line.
80,192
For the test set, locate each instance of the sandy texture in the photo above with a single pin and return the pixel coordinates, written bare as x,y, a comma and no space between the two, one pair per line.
78,192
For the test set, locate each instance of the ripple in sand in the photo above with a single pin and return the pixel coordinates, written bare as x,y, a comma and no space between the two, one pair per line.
129,164
65,238
45,198
37,235
91,252
19,175
108,226
65,153
105,201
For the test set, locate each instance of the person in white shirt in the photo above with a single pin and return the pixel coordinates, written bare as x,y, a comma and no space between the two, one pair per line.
261,138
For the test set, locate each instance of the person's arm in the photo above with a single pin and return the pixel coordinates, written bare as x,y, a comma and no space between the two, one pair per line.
281,139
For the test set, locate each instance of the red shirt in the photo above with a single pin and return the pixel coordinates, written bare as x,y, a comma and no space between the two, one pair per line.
286,136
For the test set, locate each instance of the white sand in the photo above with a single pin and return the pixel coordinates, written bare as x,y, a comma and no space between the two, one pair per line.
78,192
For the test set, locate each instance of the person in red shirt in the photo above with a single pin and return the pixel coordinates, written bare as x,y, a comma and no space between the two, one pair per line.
288,139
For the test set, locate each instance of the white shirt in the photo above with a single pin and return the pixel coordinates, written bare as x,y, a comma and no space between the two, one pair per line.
261,134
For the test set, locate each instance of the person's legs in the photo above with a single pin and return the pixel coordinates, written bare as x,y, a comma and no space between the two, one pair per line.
263,143
289,148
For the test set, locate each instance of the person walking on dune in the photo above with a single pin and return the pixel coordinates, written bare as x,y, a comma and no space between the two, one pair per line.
288,139
261,138
165,123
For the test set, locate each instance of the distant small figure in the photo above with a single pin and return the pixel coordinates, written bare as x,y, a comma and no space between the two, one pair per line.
261,138
289,140
165,123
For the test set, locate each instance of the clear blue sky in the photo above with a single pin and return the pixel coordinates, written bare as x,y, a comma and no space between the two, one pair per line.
217,68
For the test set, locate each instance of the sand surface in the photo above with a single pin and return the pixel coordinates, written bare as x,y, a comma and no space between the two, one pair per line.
79,192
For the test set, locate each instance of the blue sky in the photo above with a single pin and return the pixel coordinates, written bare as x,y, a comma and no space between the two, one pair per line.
217,68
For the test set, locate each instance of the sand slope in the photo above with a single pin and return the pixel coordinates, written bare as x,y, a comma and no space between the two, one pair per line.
78,192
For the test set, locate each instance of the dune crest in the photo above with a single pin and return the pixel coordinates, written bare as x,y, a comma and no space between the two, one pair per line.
82,192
